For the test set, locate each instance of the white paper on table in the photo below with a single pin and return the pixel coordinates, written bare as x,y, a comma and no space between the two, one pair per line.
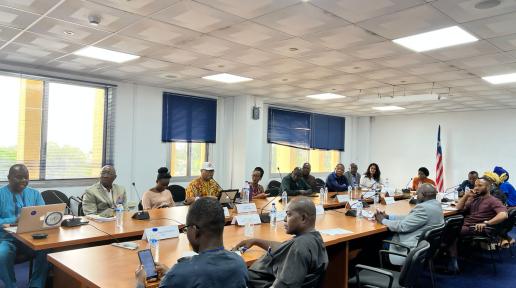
335,231
164,232
243,219
98,218
343,198
226,211
368,194
389,200
246,208
319,210
367,214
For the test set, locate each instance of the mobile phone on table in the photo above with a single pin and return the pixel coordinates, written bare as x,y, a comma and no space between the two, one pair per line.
148,264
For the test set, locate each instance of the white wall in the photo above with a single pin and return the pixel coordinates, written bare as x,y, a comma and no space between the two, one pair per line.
471,141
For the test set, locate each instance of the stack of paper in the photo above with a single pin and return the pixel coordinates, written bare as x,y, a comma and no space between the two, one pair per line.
335,231
98,218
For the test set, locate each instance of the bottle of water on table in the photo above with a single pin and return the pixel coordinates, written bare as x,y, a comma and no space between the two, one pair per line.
284,198
119,216
154,243
359,209
273,215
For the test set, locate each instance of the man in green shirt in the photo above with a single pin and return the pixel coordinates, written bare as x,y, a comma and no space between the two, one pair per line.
294,184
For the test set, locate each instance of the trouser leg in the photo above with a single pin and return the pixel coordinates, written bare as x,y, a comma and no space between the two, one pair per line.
7,257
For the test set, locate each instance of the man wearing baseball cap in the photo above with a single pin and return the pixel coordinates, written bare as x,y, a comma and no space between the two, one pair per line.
203,186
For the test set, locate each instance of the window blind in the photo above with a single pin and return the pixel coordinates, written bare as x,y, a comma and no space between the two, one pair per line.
327,132
289,128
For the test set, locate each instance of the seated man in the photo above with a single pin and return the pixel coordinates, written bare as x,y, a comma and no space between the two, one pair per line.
506,187
103,196
470,183
309,179
426,214
214,266
336,181
294,263
294,184
422,177
13,196
352,176
204,185
480,209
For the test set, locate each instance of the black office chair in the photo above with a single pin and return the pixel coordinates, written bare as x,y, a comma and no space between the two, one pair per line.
367,276
273,188
508,226
80,211
452,227
178,193
319,183
55,197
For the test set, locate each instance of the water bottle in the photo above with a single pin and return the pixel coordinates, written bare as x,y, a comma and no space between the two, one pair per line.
245,193
376,199
154,243
119,216
325,194
273,215
456,194
284,198
321,195
359,209
350,189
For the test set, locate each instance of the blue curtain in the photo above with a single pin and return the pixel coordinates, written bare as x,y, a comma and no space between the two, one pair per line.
327,132
188,119
289,128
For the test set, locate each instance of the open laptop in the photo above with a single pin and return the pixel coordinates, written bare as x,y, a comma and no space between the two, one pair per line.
227,198
36,218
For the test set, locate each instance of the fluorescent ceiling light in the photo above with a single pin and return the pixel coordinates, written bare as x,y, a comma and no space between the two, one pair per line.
388,108
436,39
501,79
227,78
325,96
105,54
403,99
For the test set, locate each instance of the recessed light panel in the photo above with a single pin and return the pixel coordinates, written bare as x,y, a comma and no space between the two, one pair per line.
326,96
105,54
388,108
436,39
501,79
227,78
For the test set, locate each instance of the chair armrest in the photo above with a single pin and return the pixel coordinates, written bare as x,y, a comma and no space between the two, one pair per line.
398,244
360,267
382,252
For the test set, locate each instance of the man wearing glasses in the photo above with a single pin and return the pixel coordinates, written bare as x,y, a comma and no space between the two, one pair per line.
103,196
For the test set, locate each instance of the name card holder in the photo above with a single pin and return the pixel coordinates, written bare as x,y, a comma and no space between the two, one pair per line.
164,232
246,208
243,219
343,198
389,200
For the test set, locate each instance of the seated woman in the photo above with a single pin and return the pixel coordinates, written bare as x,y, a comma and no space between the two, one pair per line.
159,196
371,178
257,191
422,177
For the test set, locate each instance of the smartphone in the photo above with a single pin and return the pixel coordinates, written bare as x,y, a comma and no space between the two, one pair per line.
148,264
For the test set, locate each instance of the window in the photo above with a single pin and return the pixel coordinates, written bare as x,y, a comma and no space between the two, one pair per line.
59,130
186,158
286,158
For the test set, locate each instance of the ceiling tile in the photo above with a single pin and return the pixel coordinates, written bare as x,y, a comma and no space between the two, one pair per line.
359,10
211,46
68,31
33,6
405,60
7,33
159,32
142,7
300,19
377,50
196,16
344,37
504,43
359,67
408,22
294,47
494,70
128,45
465,10
463,51
176,55
78,12
47,43
483,60
447,76
251,56
329,59
494,26
250,33
429,68
248,9
16,18
31,52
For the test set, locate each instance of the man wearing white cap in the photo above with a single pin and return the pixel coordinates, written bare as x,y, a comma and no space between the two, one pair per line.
203,186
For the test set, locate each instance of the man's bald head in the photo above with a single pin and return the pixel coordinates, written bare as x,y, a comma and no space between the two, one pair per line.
304,207
18,178
426,192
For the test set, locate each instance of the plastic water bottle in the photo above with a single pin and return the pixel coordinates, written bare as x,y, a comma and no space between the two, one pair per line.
154,243
376,199
359,209
273,215
321,195
119,216
245,193
325,194
284,198
350,189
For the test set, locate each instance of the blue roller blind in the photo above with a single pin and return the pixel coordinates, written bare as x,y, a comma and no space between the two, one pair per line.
289,128
327,132
188,119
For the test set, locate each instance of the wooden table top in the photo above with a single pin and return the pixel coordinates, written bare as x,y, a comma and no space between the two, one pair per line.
97,265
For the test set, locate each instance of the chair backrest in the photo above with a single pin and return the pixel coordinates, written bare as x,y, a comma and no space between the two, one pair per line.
178,193
273,188
411,270
320,184
433,236
508,224
452,227
55,197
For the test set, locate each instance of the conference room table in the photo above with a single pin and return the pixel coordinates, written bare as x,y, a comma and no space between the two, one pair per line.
110,266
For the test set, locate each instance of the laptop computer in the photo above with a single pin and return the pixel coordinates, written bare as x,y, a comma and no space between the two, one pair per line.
227,198
37,218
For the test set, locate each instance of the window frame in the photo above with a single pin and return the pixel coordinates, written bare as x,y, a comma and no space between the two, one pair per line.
108,127
188,176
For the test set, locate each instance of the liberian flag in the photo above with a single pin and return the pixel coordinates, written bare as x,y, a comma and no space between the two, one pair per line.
439,169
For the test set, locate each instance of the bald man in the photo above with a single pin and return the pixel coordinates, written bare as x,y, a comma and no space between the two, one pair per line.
103,196
295,262
428,213
13,196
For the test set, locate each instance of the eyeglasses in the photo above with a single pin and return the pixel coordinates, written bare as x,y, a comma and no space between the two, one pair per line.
186,227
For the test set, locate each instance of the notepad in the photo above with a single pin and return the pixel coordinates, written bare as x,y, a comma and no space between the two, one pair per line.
335,231
98,218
